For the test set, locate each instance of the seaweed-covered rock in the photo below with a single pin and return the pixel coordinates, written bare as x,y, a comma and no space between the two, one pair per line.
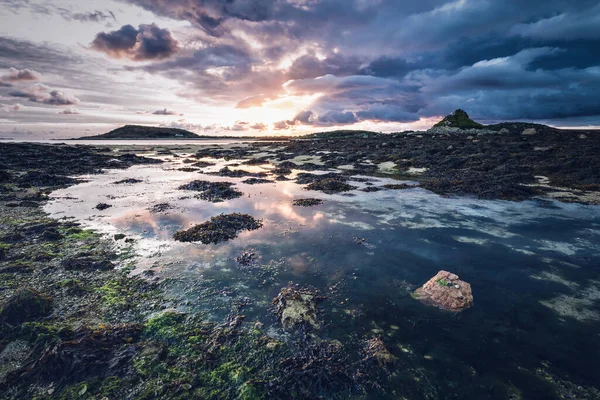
297,309
376,350
446,291
160,208
281,171
219,229
128,181
86,262
307,202
247,258
214,192
102,206
256,181
39,178
83,355
238,173
330,186
25,305
398,186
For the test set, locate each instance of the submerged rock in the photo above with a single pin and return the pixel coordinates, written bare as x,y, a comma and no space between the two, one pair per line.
219,229
297,309
446,291
25,305
376,350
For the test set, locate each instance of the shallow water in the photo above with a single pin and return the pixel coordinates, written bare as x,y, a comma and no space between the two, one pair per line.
533,267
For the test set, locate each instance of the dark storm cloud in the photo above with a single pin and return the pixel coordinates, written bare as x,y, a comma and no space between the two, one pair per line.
380,60
148,42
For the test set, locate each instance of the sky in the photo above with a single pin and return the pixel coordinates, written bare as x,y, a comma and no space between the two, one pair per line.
71,68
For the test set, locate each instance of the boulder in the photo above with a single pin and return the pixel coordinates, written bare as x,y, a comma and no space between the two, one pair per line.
446,291
25,305
297,308
503,131
529,132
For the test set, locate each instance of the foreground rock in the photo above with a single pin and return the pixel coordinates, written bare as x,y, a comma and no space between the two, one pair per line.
25,305
219,229
446,291
297,309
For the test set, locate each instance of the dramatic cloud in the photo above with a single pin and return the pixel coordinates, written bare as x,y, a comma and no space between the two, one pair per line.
148,42
293,64
20,75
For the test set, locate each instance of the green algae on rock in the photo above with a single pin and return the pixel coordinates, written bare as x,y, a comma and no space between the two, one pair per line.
219,229
297,309
458,119
446,291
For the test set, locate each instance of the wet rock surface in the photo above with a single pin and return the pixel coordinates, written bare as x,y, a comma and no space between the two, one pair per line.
219,229
214,192
309,202
446,291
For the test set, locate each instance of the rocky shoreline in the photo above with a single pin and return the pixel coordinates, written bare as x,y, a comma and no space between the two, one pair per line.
92,331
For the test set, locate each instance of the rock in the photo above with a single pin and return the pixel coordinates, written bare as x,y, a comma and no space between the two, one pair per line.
214,192
25,305
446,291
582,136
307,202
102,206
297,308
529,132
219,229
376,350
458,119
503,131
330,186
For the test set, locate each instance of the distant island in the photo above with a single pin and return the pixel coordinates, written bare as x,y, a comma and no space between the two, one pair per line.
137,132
459,120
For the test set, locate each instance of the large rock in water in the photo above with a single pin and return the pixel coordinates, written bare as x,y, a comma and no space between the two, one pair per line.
446,291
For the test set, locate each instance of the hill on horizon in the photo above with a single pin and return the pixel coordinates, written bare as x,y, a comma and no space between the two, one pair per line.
144,132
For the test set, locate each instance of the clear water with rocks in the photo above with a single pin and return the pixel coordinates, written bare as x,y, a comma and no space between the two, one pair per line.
533,267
